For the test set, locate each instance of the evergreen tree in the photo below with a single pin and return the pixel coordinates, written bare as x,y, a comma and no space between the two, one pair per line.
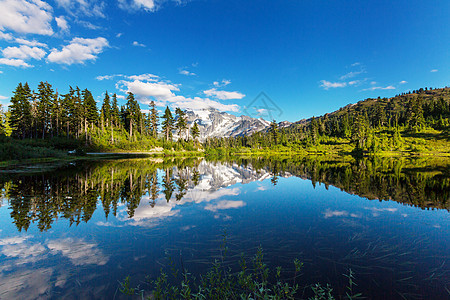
90,108
314,131
181,124
20,111
153,120
44,103
105,111
167,123
115,111
133,115
274,131
360,132
195,131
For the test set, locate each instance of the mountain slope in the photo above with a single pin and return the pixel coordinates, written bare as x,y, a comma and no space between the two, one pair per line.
214,123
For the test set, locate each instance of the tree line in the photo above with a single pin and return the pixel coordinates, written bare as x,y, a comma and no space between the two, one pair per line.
46,114
369,125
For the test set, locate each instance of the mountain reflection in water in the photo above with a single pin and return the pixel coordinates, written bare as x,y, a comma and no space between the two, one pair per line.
75,231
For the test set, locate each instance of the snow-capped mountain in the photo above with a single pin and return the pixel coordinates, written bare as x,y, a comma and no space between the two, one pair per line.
214,123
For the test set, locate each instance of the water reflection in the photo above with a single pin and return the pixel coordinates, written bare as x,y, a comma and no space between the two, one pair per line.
73,192
85,226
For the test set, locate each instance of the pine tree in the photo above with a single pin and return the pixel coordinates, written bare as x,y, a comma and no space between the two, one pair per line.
115,111
195,131
167,123
274,131
44,104
56,112
133,114
181,124
153,120
105,111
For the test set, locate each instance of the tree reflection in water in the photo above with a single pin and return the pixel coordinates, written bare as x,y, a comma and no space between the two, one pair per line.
74,192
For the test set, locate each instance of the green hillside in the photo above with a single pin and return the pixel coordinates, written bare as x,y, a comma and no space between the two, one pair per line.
412,123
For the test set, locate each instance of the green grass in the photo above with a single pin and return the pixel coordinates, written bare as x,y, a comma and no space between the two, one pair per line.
254,279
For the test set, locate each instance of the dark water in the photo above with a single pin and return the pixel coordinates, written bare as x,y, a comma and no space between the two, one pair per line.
73,233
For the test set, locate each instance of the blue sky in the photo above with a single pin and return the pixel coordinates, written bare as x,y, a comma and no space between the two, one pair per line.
308,57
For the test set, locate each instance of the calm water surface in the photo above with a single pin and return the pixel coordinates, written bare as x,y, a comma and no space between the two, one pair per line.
73,233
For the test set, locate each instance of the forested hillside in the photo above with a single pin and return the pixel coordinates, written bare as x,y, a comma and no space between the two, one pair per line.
414,121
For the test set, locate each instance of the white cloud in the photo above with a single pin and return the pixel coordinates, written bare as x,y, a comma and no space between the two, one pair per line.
351,74
147,5
224,204
5,36
198,103
390,87
14,62
146,77
78,251
32,43
373,82
434,70
223,95
106,77
23,52
222,83
159,90
355,64
186,72
327,84
83,8
335,213
119,35
1,96
354,82
78,51
137,44
14,240
26,16
147,86
62,23
403,82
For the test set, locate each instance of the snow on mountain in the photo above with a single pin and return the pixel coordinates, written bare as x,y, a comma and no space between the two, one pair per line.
214,123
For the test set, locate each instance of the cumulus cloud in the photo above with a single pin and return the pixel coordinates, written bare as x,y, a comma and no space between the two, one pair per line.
403,82
137,44
159,90
198,103
327,84
23,52
26,16
32,43
62,23
434,70
148,87
5,36
78,51
14,62
223,95
88,8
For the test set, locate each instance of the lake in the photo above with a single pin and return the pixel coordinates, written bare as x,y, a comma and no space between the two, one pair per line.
76,231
